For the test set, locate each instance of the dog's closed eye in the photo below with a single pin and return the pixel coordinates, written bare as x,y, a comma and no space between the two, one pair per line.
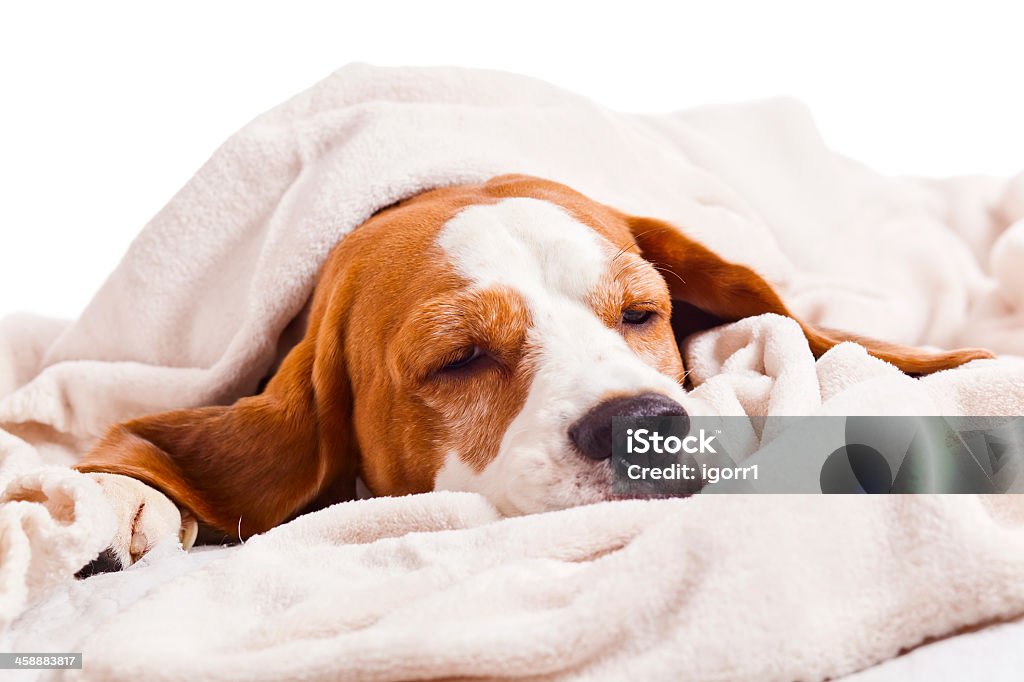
463,358
637,316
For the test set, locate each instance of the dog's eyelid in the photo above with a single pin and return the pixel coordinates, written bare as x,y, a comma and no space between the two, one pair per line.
463,360
462,357
639,313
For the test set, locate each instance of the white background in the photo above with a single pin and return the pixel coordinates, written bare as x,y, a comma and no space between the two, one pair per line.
107,109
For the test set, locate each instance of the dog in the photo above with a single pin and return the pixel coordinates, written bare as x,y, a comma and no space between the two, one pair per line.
476,338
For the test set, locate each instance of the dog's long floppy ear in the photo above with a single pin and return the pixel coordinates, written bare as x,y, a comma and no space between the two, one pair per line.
708,290
247,467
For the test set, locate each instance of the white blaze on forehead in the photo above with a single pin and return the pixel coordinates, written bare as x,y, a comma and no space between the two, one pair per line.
530,245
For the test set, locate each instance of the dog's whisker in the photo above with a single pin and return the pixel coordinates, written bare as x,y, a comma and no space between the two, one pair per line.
622,251
628,266
662,268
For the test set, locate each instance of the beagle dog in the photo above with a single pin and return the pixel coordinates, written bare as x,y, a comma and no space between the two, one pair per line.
474,338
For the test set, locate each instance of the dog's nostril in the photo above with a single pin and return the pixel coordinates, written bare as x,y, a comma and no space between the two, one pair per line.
592,433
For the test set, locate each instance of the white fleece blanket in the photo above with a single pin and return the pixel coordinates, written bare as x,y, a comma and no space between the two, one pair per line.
434,586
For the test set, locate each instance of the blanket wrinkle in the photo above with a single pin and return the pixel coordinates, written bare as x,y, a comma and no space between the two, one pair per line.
438,585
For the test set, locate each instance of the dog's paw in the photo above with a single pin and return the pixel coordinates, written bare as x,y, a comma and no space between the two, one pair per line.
145,517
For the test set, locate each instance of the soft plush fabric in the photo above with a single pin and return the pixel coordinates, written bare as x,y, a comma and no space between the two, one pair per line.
724,587
711,588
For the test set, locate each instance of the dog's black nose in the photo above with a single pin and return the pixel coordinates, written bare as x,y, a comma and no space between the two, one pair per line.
592,433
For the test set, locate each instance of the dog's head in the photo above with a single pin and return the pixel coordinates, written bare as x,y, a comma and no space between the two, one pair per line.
475,338
490,334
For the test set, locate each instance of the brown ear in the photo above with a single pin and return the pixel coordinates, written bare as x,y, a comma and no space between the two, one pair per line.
710,290
247,467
